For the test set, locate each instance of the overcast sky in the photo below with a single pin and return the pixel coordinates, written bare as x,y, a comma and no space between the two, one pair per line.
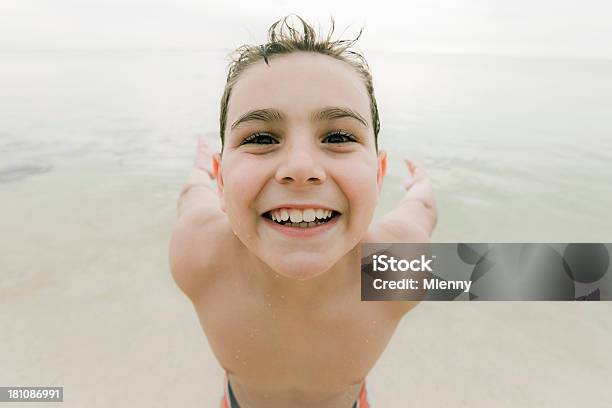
517,27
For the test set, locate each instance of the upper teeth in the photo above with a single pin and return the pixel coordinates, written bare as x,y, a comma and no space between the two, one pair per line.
300,215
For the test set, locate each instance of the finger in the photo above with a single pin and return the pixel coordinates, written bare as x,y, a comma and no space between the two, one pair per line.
411,165
416,169
413,169
203,145
203,157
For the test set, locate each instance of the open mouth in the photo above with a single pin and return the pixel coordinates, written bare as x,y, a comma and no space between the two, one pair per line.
301,218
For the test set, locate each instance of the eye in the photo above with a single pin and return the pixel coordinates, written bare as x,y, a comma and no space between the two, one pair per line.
260,139
339,136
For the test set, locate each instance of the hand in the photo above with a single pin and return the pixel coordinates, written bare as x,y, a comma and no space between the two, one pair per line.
202,172
418,185
201,175
416,173
415,216
203,160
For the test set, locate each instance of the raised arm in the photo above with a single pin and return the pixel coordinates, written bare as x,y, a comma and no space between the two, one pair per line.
198,195
415,216
201,230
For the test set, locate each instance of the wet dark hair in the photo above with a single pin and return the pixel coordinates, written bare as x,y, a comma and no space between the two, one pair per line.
285,38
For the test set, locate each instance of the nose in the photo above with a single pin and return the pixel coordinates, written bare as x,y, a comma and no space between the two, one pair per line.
300,167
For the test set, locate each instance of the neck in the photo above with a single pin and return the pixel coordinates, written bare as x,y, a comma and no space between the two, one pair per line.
310,293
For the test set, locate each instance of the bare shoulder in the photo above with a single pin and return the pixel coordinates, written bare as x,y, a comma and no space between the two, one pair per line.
199,250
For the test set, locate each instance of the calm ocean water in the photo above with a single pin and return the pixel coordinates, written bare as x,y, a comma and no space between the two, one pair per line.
94,147
518,149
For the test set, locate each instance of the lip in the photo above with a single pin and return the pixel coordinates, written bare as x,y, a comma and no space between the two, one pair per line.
301,207
298,232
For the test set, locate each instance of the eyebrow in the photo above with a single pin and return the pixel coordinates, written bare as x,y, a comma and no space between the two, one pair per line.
259,115
338,113
274,115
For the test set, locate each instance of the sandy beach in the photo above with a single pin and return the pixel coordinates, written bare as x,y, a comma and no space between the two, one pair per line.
87,302
96,145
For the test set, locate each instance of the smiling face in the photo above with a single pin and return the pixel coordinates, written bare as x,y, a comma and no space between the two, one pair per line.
300,176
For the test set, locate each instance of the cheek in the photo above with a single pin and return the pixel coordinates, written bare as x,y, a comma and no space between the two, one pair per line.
243,182
359,185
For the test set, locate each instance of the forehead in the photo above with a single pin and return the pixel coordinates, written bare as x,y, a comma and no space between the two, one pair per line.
298,84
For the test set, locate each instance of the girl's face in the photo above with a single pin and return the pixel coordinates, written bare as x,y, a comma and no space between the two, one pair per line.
299,177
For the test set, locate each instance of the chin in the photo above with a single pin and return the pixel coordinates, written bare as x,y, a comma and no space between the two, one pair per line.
301,267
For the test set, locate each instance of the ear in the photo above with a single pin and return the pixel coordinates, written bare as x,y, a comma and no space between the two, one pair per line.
381,169
216,159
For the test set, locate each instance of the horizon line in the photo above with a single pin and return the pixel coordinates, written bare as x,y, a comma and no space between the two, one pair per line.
525,55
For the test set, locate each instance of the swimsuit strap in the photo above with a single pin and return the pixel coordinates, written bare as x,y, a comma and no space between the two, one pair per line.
233,403
229,400
362,402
